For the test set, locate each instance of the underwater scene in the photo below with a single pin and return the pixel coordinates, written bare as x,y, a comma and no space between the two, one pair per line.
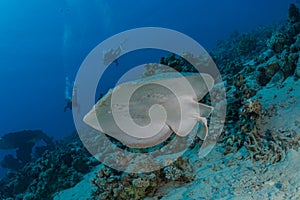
149,99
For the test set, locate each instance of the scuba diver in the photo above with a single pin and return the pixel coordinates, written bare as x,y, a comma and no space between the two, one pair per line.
68,97
113,54
70,100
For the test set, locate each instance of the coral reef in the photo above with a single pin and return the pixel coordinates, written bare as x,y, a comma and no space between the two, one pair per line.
277,42
111,184
293,13
170,63
54,171
246,44
246,70
245,106
231,54
24,141
261,71
178,63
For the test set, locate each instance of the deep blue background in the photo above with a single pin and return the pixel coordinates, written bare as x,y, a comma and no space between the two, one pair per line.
41,42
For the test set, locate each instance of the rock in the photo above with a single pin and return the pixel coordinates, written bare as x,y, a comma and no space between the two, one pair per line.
288,64
267,71
277,78
277,42
266,55
294,29
297,70
271,68
293,13
296,46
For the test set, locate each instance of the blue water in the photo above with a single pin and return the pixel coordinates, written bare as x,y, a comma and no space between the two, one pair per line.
42,42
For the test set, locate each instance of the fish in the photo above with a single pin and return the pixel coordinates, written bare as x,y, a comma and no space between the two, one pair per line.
145,112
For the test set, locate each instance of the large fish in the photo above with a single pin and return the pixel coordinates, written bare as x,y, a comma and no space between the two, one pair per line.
144,113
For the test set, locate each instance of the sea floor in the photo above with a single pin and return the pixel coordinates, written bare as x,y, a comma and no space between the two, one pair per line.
234,175
221,177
